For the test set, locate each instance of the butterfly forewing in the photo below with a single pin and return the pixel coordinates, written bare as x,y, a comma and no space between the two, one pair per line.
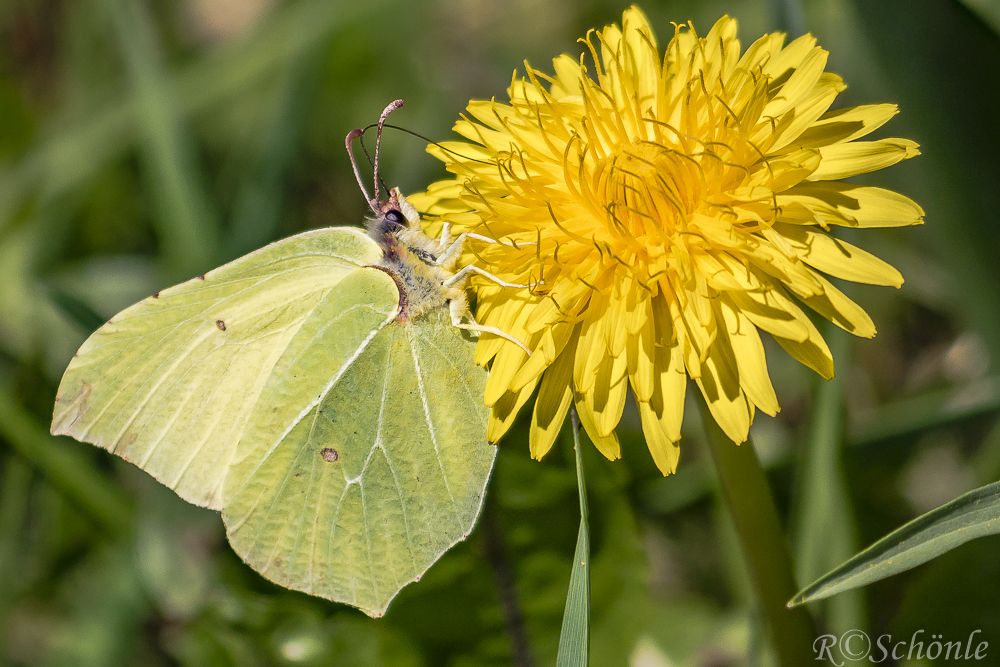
169,383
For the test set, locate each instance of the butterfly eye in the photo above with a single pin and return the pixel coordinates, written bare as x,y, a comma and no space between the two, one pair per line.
395,217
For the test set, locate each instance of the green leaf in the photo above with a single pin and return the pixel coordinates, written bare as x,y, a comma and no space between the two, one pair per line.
574,638
987,10
972,515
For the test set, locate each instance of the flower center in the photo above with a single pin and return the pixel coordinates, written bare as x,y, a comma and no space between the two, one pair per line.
648,190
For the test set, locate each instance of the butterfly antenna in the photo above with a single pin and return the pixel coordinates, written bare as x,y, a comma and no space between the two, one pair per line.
378,135
368,155
435,143
349,142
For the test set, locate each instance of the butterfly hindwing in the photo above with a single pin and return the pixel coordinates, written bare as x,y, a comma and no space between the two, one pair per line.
379,471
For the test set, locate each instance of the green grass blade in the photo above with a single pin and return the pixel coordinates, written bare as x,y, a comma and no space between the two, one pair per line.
76,310
825,534
67,467
187,229
15,486
574,638
81,146
258,208
972,515
907,416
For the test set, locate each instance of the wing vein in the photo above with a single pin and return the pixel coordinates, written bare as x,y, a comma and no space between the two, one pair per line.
326,389
430,422
395,478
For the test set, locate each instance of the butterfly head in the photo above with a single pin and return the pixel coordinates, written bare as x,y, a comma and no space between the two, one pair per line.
392,216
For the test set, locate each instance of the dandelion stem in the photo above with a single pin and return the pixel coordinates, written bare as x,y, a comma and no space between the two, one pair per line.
748,498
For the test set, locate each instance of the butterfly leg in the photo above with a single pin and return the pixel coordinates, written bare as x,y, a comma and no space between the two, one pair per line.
445,240
451,252
459,277
459,309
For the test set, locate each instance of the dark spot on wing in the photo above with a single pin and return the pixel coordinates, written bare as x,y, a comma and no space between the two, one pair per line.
221,325
156,296
201,277
329,454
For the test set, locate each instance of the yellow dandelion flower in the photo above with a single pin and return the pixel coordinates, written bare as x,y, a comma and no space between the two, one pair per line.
671,207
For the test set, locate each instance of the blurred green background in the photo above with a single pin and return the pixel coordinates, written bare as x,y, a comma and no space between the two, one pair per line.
144,141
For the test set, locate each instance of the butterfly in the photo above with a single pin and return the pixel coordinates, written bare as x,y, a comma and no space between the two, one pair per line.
320,392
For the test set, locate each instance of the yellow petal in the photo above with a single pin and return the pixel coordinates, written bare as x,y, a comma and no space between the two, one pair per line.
790,56
592,349
855,205
813,351
771,312
805,112
665,451
762,50
860,157
554,396
641,52
837,258
606,444
750,360
799,85
846,124
505,410
835,306
726,400
504,368
568,75
775,257
667,400
790,169
554,339
639,355
615,320
606,398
